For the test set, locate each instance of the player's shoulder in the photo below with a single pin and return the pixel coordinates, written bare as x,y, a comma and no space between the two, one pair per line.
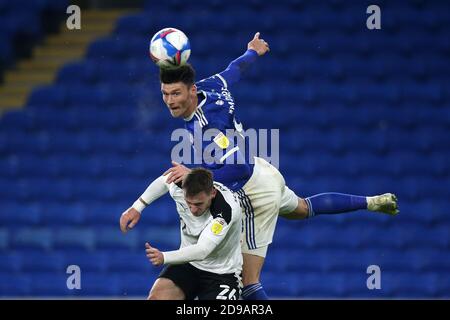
225,191
214,82
224,204
211,111
175,190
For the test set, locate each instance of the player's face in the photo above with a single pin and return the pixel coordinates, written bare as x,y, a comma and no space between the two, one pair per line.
201,202
179,98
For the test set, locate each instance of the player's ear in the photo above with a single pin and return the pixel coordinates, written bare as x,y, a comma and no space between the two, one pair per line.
193,89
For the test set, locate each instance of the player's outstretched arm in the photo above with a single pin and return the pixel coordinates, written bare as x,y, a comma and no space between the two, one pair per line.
256,47
154,191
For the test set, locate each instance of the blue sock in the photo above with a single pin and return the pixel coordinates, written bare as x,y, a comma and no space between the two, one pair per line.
254,292
331,202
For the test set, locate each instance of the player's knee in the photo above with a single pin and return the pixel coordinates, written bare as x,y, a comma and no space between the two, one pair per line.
154,295
165,289
300,212
157,292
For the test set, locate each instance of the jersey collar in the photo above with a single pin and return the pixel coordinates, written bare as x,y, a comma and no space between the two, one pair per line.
189,118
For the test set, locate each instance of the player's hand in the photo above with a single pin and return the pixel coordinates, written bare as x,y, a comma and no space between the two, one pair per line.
154,255
176,173
129,219
259,45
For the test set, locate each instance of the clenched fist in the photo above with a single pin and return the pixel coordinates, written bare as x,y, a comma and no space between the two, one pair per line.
129,219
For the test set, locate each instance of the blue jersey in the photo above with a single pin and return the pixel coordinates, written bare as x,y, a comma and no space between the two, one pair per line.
216,110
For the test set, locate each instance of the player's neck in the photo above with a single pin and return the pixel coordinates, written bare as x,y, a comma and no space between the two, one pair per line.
192,108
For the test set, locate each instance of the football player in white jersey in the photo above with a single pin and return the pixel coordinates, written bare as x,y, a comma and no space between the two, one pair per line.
209,262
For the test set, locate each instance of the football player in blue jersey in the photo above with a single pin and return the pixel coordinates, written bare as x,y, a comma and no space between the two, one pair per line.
263,194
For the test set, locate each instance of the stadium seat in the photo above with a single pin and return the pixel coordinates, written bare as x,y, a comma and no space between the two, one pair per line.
357,114
74,238
88,261
130,262
29,238
112,238
15,285
136,285
98,285
10,262
43,262
50,285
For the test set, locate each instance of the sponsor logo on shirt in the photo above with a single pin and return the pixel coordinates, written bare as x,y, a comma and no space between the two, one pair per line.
217,226
222,141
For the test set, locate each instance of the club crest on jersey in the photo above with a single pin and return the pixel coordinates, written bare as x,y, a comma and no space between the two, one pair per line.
217,226
222,141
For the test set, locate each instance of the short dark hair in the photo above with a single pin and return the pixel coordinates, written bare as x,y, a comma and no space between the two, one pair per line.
197,181
184,73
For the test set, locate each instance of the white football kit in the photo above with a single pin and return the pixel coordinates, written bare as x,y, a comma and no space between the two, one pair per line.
210,242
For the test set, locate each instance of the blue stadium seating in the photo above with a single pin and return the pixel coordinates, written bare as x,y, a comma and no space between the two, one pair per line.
112,238
4,239
32,238
15,285
45,284
97,285
43,262
10,262
359,112
88,261
134,284
15,22
130,262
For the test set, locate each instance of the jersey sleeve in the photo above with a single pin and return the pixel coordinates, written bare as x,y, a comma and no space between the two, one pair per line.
236,68
212,83
209,239
154,191
231,74
225,159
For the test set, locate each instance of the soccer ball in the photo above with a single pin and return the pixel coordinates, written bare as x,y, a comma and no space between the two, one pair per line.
170,48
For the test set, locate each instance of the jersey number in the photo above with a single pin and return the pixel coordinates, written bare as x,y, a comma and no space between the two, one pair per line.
223,294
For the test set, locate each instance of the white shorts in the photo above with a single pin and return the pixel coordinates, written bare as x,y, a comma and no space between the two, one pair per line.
263,198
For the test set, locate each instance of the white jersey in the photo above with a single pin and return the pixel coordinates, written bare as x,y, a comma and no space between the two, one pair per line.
220,224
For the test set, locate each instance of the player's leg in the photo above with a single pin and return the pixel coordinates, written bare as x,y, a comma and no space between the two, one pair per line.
293,207
251,271
253,266
165,289
253,255
260,203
